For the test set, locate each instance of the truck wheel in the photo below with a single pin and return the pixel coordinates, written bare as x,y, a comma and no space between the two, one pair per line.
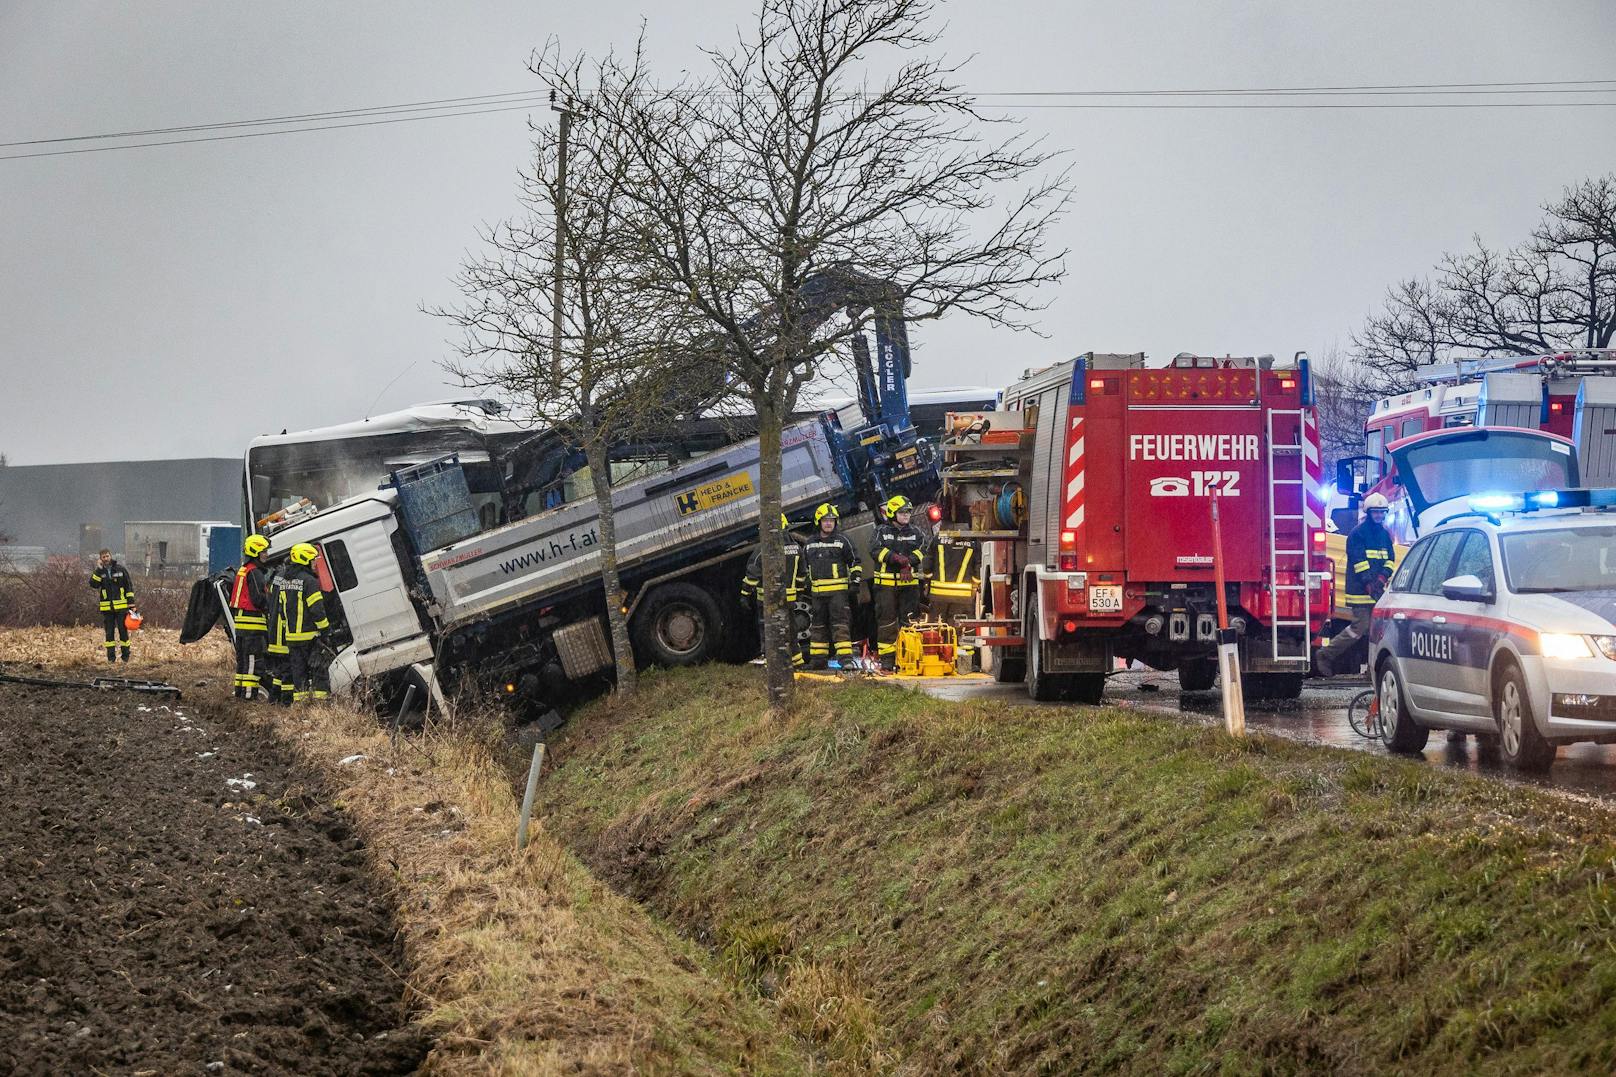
1271,687
1084,688
1519,742
1006,668
1042,686
1398,729
679,625
1197,675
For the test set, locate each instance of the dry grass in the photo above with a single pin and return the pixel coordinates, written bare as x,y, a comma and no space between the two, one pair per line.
523,963
72,648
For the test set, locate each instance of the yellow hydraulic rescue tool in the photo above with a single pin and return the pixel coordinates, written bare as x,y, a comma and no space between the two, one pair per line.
927,649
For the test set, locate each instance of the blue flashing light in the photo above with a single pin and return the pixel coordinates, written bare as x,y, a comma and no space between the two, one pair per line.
1544,499
1495,503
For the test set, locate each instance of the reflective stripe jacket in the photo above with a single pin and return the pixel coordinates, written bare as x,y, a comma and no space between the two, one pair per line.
114,589
248,600
795,576
297,607
833,564
1369,554
897,553
954,569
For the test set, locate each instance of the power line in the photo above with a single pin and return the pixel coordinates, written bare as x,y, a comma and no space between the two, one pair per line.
406,106
261,134
520,100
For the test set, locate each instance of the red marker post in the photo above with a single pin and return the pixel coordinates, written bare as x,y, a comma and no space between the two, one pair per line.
1234,703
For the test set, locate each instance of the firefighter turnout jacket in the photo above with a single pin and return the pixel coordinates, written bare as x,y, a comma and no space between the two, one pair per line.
297,608
249,599
897,553
1369,558
833,565
953,569
114,589
794,574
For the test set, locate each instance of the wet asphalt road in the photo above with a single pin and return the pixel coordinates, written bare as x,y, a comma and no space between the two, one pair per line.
1319,717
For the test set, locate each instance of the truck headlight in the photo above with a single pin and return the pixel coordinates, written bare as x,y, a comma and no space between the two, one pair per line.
1563,645
1606,645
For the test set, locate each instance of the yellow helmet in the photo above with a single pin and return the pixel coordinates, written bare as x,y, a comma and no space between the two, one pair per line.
899,504
254,545
827,509
304,553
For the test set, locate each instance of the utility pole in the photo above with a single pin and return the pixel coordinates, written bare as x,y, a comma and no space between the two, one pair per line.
561,230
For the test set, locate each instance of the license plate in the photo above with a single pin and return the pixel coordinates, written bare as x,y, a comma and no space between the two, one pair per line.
1105,599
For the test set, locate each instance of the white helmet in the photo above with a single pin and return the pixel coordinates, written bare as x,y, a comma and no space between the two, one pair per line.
1375,501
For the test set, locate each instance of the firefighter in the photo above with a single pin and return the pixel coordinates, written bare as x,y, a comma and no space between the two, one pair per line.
794,579
115,598
249,605
297,619
897,551
1370,561
953,575
834,572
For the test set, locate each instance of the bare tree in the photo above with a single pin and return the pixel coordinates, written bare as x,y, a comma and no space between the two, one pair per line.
1554,292
1345,394
791,163
606,377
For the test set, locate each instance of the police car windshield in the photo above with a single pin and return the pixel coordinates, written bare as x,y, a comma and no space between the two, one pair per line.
1561,559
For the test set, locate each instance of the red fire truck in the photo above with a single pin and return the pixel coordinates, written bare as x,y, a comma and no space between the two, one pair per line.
1100,546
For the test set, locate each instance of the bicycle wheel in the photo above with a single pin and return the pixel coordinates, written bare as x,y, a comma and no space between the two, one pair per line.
1363,720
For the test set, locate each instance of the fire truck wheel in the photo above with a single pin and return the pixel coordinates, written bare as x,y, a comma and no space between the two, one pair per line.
1084,688
1006,669
679,625
1271,687
1197,675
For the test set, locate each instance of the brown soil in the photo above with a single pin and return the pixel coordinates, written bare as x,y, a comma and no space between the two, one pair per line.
156,918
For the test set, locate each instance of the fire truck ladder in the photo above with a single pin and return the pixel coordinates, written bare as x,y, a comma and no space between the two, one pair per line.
1289,637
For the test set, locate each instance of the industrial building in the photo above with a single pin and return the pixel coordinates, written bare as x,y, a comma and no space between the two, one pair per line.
75,509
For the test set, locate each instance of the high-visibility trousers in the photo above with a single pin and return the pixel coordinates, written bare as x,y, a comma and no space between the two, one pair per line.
831,629
117,634
251,648
894,608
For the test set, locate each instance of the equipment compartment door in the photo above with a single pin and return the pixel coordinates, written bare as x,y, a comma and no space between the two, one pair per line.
1176,456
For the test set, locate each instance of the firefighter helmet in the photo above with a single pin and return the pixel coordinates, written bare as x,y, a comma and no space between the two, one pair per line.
133,620
827,509
899,504
1375,501
304,553
254,545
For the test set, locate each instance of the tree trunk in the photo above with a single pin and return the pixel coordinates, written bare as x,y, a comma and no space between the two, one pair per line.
600,477
776,619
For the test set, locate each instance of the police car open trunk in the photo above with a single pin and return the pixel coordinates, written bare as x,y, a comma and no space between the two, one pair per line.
1437,473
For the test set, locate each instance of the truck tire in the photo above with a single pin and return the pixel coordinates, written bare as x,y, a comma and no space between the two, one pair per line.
680,624
1197,675
1271,687
1006,668
1086,688
1042,686
1519,742
1398,729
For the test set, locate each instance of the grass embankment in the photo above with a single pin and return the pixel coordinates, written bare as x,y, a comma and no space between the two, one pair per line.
517,963
963,887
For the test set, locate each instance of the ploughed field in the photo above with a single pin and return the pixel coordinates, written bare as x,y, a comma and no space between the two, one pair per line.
176,896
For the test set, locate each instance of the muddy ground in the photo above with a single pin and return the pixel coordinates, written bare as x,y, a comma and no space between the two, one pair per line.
176,896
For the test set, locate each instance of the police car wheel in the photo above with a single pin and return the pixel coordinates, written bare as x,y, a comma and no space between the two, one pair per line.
1521,745
1398,729
679,625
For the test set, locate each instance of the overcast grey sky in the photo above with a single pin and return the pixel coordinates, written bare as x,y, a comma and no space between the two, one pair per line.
178,301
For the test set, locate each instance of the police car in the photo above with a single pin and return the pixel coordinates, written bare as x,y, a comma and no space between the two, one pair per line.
1502,621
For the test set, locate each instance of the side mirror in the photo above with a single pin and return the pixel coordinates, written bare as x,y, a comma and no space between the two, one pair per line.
1466,588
